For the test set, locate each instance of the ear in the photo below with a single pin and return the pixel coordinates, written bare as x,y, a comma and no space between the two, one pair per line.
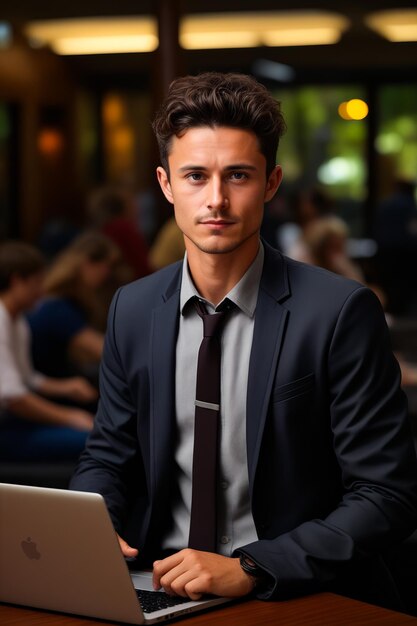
163,180
273,183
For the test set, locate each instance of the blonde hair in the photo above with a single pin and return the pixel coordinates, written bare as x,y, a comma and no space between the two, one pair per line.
63,278
320,233
322,229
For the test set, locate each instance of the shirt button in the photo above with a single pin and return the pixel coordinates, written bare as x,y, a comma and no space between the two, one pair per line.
224,484
224,539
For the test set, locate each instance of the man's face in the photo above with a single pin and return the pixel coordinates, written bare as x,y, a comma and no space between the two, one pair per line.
27,291
217,183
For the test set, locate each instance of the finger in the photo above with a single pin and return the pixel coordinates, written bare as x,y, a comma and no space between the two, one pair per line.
193,595
179,570
127,550
155,577
187,586
160,568
175,581
199,584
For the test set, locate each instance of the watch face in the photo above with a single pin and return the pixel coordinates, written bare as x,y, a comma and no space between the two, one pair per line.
249,566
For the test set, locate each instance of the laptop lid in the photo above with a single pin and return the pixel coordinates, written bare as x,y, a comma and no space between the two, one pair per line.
59,551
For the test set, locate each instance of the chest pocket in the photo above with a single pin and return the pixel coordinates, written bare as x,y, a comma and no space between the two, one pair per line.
293,389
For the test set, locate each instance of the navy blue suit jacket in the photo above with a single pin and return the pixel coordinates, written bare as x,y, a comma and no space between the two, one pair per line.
332,469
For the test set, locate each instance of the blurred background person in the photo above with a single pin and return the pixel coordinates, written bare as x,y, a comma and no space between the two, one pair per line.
168,246
306,206
65,324
325,242
31,426
396,236
55,236
113,211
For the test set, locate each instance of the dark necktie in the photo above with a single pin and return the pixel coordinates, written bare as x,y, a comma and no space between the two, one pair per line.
207,409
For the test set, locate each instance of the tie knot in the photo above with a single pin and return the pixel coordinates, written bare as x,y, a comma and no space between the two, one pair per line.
213,322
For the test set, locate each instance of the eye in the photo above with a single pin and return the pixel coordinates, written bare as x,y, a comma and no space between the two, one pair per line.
238,176
195,176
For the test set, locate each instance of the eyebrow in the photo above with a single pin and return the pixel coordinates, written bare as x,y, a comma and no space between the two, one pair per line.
229,168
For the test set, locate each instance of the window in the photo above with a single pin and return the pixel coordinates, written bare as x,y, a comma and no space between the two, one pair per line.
396,140
322,149
126,137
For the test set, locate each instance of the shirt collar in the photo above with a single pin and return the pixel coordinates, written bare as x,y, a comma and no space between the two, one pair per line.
244,294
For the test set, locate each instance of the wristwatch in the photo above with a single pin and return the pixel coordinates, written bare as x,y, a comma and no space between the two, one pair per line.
249,567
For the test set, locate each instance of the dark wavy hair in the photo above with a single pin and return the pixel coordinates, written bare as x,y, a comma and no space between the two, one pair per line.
18,259
214,99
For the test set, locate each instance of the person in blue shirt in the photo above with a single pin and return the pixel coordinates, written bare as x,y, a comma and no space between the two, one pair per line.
35,422
63,335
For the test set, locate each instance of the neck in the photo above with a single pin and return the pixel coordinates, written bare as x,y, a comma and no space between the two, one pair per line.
214,275
11,306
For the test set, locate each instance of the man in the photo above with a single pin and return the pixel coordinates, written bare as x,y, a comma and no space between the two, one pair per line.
316,472
32,426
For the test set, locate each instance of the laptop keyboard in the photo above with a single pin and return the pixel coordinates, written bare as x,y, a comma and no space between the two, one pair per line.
151,601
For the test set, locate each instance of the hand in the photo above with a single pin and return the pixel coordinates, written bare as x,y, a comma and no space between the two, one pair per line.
127,550
79,419
191,573
408,372
80,389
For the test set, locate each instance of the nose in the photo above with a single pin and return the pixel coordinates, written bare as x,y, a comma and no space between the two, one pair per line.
216,195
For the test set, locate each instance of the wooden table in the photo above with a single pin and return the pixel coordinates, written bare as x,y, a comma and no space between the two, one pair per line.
324,609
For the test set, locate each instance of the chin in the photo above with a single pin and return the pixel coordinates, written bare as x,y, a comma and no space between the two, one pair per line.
219,248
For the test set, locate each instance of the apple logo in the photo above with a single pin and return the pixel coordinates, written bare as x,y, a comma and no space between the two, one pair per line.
29,548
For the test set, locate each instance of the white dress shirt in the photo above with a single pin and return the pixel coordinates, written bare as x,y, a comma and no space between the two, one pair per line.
17,376
235,526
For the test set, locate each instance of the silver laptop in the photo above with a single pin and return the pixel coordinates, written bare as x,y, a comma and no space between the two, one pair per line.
59,551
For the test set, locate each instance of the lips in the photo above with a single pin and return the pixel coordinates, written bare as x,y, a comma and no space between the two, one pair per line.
217,223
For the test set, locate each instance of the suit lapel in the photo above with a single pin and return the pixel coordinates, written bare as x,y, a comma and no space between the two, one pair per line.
269,330
270,322
162,409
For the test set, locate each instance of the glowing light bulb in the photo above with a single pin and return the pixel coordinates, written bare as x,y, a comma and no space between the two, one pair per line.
342,111
354,109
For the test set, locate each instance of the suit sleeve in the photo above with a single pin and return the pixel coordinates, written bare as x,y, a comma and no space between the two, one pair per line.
106,465
373,446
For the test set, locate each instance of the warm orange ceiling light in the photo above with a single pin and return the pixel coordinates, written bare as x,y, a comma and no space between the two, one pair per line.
261,28
395,25
204,31
96,35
